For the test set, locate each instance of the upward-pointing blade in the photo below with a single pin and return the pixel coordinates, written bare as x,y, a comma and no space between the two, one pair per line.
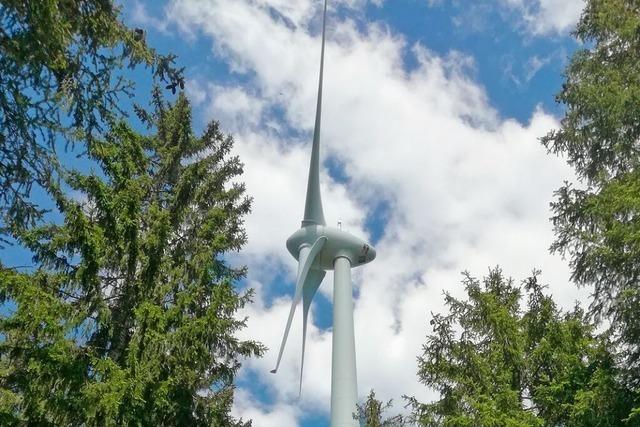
306,260
313,214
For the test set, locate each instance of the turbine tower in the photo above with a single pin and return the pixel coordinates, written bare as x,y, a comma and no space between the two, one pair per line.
319,248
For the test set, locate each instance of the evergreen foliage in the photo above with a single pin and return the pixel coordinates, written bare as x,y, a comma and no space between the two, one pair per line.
61,74
130,316
495,364
597,222
371,413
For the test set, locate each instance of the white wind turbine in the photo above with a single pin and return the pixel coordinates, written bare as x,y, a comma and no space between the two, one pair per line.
319,248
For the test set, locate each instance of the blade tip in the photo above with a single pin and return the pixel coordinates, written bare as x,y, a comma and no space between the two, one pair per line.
273,371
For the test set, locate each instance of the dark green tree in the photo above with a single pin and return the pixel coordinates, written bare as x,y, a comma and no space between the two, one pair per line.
495,364
371,413
597,222
61,80
130,316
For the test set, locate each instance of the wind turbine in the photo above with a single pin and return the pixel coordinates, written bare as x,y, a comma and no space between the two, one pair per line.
319,248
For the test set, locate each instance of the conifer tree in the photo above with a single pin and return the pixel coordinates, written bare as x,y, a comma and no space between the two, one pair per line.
130,317
597,222
372,413
497,365
63,78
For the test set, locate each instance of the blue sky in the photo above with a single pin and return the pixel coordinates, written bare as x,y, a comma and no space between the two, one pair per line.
518,68
432,114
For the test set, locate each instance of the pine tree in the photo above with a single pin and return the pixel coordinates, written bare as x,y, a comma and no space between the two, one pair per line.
130,317
597,222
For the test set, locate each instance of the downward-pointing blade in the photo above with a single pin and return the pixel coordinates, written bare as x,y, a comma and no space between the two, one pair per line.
313,213
309,289
306,259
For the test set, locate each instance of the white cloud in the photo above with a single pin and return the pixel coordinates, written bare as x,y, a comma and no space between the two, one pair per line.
465,188
235,107
247,408
536,17
521,73
543,17
141,16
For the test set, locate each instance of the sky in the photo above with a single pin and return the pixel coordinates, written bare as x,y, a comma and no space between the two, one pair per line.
431,118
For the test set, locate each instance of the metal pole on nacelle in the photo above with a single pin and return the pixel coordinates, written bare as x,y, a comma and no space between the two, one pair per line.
344,386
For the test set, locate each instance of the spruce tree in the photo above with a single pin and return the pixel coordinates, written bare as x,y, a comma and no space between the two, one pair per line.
63,78
597,220
372,413
497,365
130,316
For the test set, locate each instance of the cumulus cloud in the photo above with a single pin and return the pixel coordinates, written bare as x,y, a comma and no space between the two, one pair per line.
452,184
535,17
543,17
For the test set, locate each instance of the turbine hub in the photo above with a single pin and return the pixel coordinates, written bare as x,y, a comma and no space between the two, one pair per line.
339,244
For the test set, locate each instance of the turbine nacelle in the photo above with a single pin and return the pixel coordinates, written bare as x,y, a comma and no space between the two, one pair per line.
338,244
319,248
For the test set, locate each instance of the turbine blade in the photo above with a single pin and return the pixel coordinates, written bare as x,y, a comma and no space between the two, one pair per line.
306,260
309,289
313,214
